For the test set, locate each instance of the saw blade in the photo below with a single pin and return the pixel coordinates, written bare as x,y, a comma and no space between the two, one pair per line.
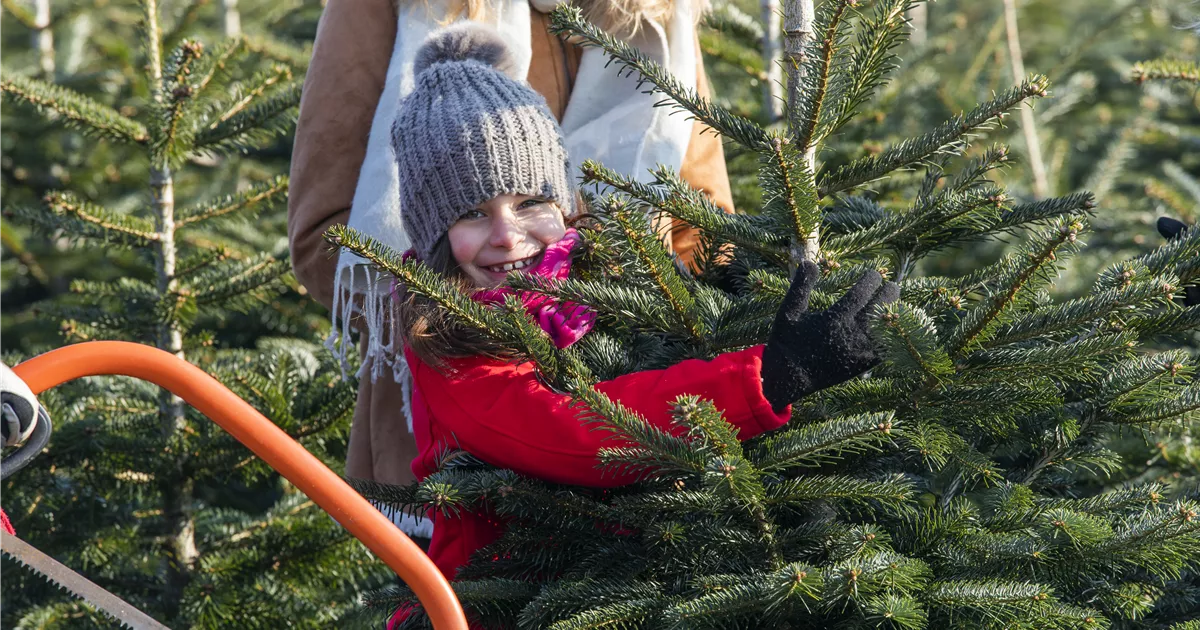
87,590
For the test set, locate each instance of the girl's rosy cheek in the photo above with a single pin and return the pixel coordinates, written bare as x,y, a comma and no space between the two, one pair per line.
464,243
550,228
553,237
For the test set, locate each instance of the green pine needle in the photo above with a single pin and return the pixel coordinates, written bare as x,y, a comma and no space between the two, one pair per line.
76,110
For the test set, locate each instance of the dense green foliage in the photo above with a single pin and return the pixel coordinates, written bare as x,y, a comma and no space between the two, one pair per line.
144,199
967,482
1026,457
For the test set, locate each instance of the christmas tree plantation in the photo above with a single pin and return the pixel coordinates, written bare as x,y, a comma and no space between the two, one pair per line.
958,485
181,249
99,51
1131,146
1168,453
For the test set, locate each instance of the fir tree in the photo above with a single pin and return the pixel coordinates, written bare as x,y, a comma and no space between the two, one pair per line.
961,484
1175,78
138,491
97,50
1098,130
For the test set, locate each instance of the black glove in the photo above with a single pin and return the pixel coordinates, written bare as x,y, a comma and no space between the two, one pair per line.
807,352
1172,228
18,408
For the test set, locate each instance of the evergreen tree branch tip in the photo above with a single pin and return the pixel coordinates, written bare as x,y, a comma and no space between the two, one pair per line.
89,115
567,20
1166,70
947,137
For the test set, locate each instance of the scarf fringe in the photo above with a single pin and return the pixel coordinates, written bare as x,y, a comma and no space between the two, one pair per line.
373,291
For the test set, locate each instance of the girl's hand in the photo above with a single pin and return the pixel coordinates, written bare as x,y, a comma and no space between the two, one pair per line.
1172,229
807,352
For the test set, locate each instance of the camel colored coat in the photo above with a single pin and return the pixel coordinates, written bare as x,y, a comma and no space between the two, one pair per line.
341,91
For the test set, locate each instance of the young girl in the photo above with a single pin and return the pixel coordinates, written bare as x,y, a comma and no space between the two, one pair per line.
342,171
486,191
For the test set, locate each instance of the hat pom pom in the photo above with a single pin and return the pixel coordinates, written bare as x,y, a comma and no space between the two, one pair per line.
466,41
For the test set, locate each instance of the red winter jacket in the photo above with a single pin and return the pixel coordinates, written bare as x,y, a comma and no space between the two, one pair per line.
500,413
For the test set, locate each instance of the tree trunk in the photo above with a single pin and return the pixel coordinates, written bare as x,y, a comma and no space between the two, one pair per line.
43,38
233,19
81,32
919,17
176,488
773,57
1041,186
798,18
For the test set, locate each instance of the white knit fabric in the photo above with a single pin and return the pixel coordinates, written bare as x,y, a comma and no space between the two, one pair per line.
19,403
608,119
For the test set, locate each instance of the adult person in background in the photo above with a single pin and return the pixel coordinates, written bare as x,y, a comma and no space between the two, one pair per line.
343,172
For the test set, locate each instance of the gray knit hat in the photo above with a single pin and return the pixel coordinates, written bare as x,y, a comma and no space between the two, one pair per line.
469,132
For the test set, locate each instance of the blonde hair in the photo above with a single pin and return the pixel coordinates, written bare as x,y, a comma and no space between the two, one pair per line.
619,17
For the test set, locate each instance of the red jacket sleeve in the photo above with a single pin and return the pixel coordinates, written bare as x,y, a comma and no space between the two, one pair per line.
502,414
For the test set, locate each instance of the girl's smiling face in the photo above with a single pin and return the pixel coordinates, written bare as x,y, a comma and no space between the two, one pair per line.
506,233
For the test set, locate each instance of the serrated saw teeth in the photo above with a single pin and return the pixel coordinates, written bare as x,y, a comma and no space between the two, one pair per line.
68,580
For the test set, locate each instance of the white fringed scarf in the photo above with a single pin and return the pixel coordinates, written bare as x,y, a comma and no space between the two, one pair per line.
607,119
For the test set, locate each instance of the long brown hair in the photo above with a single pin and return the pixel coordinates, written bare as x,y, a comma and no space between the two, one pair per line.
430,331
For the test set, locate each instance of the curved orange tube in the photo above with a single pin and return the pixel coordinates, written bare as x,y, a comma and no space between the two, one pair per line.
244,422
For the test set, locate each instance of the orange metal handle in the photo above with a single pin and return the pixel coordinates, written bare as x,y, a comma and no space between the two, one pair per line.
244,422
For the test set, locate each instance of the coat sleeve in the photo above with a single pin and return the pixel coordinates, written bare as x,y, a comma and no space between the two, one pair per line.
502,414
704,161
341,91
703,169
